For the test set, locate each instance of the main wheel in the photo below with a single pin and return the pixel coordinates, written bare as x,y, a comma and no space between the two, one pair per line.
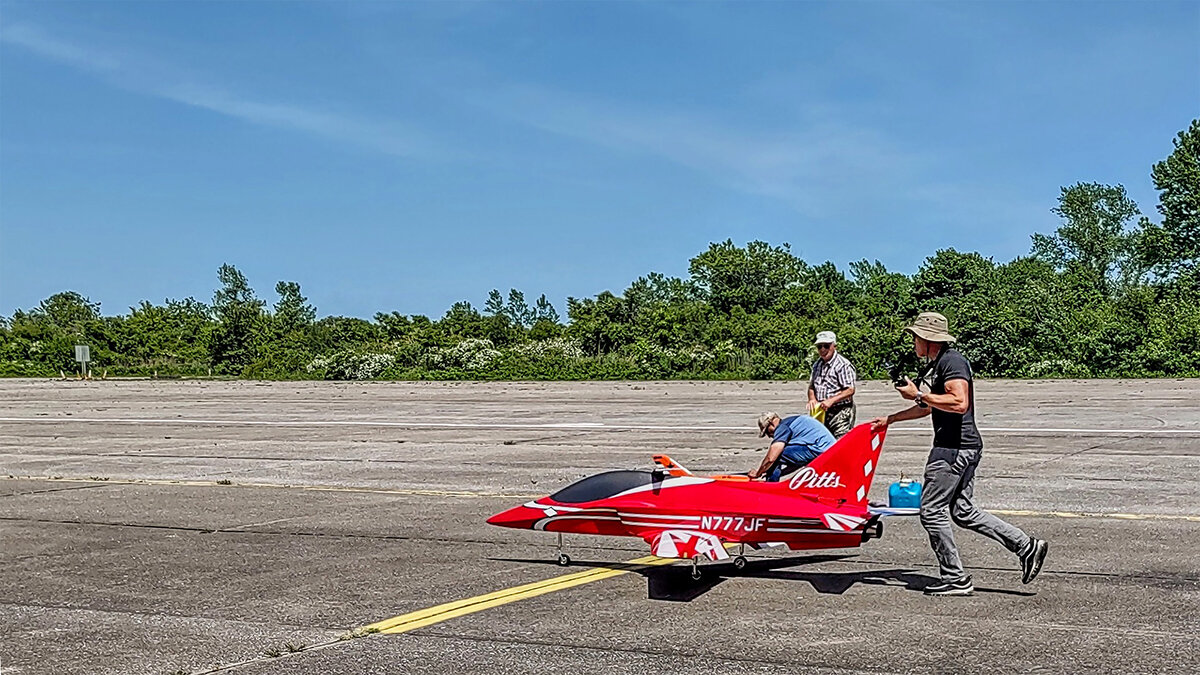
564,559
739,563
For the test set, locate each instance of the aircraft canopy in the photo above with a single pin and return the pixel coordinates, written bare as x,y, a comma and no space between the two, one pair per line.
602,485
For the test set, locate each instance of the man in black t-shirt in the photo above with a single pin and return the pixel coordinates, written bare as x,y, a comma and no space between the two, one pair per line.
950,470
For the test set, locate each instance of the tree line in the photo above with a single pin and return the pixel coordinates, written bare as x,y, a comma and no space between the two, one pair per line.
1110,293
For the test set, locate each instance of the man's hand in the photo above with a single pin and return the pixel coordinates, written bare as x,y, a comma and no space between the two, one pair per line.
879,423
823,405
813,404
753,474
908,390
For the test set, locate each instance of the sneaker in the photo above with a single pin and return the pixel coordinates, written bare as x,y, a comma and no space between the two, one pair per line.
1032,558
961,586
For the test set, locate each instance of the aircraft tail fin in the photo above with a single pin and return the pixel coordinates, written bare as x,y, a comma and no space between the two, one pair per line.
844,471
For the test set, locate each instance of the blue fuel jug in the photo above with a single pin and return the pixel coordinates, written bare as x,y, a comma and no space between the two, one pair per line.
904,494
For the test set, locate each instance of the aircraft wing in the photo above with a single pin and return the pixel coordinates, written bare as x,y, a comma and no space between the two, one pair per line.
893,511
686,544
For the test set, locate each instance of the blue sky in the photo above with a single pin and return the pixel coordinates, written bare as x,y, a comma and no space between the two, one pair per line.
398,156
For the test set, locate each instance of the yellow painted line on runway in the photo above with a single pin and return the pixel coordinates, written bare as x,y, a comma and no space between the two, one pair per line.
1085,514
479,603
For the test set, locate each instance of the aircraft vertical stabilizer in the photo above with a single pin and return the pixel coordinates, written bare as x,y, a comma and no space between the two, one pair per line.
844,471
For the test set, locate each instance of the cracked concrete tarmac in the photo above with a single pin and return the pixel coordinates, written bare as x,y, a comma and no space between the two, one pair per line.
212,538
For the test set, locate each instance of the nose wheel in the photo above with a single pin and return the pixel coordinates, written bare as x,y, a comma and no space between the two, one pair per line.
563,558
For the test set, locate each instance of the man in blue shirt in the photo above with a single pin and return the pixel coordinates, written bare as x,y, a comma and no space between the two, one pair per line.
795,441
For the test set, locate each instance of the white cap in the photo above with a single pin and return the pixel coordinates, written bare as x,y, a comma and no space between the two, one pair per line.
826,337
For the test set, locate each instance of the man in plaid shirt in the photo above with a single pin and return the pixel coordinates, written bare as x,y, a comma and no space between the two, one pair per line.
832,386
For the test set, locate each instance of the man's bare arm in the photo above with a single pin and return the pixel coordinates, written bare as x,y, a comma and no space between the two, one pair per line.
913,413
957,398
773,454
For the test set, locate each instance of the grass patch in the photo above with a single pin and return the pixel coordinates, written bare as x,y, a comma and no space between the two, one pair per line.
358,633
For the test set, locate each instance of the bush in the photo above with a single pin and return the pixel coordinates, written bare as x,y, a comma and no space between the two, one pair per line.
350,365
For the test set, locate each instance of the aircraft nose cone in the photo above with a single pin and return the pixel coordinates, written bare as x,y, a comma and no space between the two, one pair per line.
519,517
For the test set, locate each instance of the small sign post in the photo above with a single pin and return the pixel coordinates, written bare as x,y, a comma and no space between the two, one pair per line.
83,354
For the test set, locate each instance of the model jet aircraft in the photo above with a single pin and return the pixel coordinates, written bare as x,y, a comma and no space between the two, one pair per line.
682,515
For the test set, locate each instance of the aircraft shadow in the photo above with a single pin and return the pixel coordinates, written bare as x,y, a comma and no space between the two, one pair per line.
675,583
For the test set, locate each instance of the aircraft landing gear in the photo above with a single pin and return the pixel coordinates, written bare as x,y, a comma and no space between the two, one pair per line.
739,562
696,574
563,558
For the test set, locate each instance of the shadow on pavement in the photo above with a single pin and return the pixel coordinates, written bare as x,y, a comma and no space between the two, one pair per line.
675,583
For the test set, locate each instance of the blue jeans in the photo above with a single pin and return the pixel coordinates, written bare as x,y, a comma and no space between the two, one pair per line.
793,457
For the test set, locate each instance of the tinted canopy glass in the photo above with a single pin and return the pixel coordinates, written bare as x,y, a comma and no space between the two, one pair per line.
602,485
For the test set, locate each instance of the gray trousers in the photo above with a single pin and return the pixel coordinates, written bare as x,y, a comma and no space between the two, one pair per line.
946,499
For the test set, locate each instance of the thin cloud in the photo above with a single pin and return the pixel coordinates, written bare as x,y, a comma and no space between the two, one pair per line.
35,40
816,169
157,80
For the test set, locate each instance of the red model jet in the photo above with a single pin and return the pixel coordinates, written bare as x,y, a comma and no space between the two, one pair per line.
681,515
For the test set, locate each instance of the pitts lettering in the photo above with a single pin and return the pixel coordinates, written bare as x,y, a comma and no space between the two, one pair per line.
809,478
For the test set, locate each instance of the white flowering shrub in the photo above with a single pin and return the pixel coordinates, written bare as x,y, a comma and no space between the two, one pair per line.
1055,368
351,365
699,357
545,349
470,354
725,349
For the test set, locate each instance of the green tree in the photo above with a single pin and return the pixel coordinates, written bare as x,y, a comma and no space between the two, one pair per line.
517,309
1174,246
240,325
394,325
601,324
335,333
463,321
947,277
544,311
1094,234
292,311
495,303
68,311
167,339
751,278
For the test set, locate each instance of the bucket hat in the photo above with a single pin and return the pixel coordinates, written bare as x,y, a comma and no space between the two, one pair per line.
931,326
